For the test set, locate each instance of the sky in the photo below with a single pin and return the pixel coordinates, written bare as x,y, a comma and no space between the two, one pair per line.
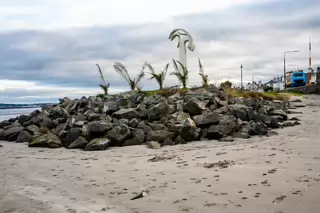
48,49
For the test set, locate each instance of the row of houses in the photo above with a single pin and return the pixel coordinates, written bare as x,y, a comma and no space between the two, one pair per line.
276,84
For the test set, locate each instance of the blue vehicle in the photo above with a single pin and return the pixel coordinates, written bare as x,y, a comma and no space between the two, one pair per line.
298,79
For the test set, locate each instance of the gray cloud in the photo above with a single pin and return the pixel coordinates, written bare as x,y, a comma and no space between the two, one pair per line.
254,35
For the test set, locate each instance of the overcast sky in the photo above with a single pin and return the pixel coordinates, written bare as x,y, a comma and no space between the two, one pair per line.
48,49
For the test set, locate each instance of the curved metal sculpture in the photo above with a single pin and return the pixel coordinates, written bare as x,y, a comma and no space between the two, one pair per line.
184,37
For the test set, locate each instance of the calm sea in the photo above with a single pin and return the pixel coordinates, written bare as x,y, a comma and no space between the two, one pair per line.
6,114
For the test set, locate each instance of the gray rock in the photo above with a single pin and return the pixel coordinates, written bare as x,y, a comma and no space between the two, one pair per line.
299,105
47,123
12,131
23,118
156,127
71,136
24,136
99,128
48,140
98,144
4,124
159,136
80,117
79,143
179,117
239,111
123,121
179,140
110,107
153,145
296,123
146,128
259,129
92,116
168,142
271,133
227,139
189,131
142,111
158,111
194,106
280,113
138,138
119,134
207,119
133,123
226,126
287,124
2,137
79,123
240,135
32,129
125,113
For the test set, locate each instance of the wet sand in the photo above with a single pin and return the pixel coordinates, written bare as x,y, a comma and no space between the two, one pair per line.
278,174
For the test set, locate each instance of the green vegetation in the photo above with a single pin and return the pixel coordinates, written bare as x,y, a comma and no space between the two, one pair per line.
205,78
182,74
133,82
104,86
226,85
247,94
158,77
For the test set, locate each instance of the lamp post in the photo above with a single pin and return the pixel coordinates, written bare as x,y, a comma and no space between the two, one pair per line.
241,76
292,65
284,65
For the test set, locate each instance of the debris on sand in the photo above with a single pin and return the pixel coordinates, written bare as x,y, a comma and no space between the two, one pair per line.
279,199
140,195
221,164
161,158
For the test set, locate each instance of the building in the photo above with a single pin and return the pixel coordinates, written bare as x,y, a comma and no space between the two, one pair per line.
276,84
254,87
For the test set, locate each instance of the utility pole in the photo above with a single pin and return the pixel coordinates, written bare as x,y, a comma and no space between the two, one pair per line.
241,77
284,65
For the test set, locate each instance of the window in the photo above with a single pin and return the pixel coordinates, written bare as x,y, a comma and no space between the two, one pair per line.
297,75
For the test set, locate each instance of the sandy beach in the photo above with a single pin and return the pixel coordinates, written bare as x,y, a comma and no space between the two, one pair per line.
278,174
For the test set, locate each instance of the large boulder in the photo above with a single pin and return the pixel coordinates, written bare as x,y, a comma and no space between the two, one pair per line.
98,144
71,136
138,137
207,119
2,137
268,120
4,124
119,134
226,126
159,136
239,111
189,131
110,107
48,140
125,113
158,111
23,118
194,106
13,132
259,129
79,143
24,136
279,112
145,127
179,117
99,128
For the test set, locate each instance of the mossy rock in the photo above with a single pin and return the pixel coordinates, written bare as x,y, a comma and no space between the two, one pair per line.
98,144
48,140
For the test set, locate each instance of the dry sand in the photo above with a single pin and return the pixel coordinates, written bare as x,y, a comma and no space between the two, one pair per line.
270,174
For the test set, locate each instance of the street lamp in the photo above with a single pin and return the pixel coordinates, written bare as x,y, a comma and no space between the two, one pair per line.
292,65
284,65
241,76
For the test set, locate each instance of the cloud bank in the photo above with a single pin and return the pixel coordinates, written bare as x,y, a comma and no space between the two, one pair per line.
52,58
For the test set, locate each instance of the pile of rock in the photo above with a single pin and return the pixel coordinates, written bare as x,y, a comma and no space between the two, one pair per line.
134,119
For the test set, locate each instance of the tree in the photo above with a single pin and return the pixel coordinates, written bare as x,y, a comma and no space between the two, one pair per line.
205,78
133,82
182,74
226,85
104,86
158,77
